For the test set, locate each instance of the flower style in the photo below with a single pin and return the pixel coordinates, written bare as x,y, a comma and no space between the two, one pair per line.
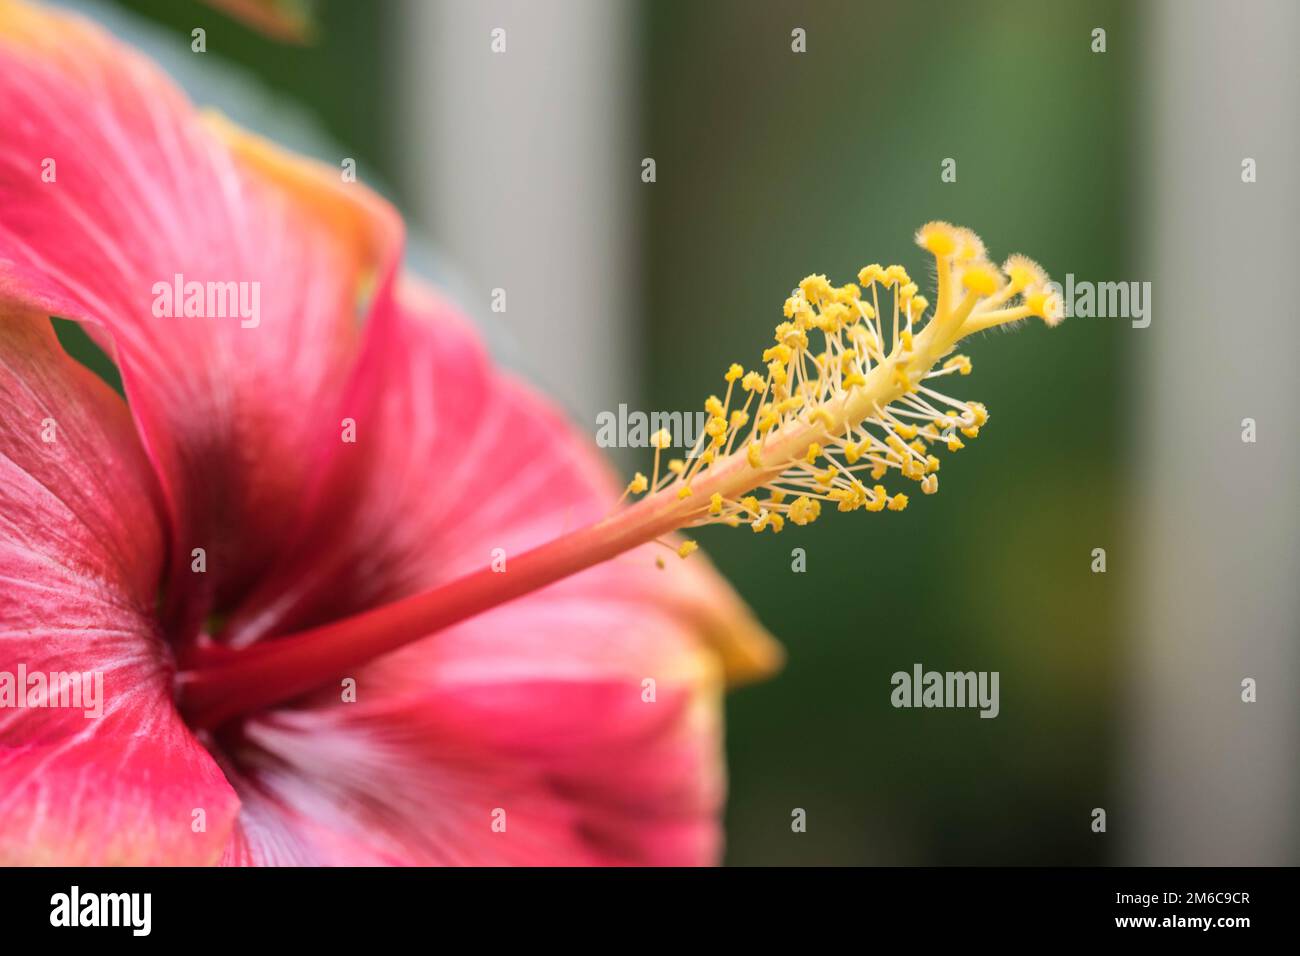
858,406
855,405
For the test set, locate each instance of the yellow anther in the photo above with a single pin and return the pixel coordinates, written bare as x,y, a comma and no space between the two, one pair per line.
871,273
676,466
930,484
661,439
823,417
931,463
684,492
981,413
813,451
906,430
754,455
716,427
852,452
960,362
753,382
778,496
791,337
898,502
793,403
804,510
687,548
815,288
971,432
739,418
833,317
750,504
955,443
845,499
733,373
638,484
777,371
827,476
897,275
715,503
713,405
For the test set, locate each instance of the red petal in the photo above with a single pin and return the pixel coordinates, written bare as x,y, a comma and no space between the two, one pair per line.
237,420
534,707
80,556
454,459
585,771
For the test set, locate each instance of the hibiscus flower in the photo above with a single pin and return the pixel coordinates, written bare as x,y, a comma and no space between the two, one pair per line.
328,440
356,596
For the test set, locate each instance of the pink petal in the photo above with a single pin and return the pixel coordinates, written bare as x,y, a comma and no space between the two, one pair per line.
237,420
80,556
534,707
454,459
584,770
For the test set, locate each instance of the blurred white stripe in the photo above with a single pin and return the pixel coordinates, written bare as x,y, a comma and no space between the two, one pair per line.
526,175
1214,779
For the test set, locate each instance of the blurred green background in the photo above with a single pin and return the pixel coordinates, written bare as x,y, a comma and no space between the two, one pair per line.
773,165
823,163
